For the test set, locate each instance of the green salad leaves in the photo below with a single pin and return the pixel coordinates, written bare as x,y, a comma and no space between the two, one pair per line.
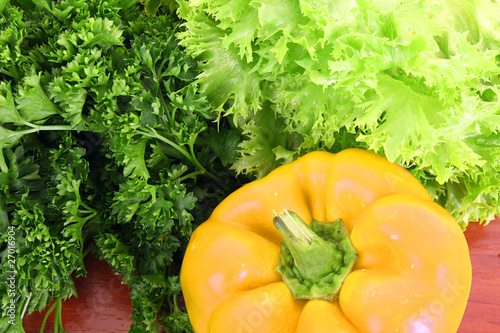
416,81
124,123
105,147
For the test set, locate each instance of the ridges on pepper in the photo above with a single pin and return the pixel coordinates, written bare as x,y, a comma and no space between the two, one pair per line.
410,251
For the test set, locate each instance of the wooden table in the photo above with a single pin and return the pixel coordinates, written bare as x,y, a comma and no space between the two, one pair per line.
483,309
104,305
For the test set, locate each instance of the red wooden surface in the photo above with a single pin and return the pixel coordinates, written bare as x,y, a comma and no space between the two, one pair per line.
104,305
481,314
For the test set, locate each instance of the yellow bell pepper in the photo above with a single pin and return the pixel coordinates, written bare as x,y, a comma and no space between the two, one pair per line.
345,242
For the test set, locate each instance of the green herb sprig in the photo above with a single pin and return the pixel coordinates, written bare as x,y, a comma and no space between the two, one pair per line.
105,147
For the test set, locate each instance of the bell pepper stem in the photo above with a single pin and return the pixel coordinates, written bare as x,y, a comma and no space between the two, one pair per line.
309,251
314,259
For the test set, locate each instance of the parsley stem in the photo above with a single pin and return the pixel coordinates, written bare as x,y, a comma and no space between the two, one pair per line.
36,128
191,157
58,317
58,326
88,217
49,311
190,175
27,123
15,135
87,207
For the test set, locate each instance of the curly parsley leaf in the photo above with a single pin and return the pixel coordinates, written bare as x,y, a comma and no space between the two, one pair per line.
106,146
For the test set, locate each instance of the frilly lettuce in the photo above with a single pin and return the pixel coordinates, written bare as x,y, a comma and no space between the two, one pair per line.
416,81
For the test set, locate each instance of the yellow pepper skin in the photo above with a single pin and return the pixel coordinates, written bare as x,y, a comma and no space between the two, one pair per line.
413,273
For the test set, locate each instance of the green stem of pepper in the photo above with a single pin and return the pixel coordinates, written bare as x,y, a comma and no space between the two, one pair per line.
315,259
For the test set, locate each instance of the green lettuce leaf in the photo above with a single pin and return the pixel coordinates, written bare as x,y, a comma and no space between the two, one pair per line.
415,81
